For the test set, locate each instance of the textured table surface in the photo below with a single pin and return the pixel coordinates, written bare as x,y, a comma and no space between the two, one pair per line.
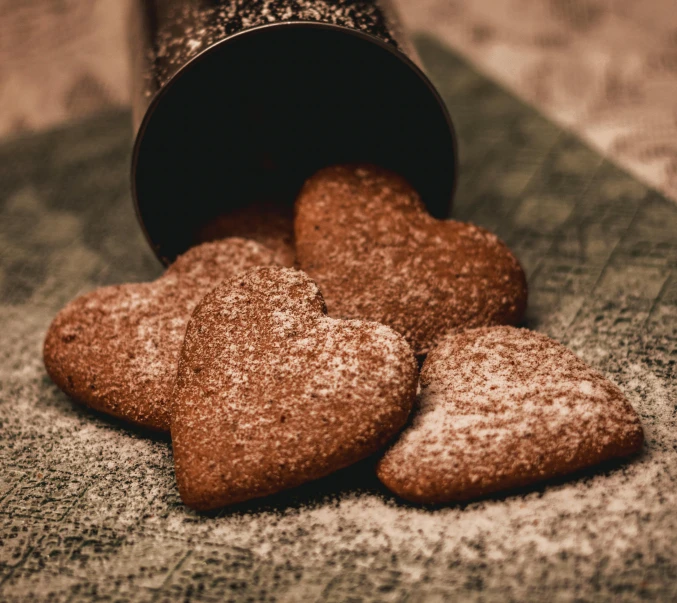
89,509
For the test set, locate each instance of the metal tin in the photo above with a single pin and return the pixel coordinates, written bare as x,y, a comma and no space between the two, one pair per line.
240,101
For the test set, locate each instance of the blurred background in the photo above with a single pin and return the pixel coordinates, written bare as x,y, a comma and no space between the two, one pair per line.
605,69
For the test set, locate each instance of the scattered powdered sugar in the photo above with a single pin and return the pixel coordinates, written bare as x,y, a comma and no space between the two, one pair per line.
116,349
502,407
586,537
615,526
364,235
271,393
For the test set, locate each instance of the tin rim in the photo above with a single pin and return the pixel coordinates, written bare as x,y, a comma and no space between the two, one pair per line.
164,89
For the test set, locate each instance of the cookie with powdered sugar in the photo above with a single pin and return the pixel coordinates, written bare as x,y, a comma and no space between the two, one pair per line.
269,223
116,349
364,235
503,407
272,393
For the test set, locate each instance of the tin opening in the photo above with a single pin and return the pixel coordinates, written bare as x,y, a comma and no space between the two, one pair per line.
251,118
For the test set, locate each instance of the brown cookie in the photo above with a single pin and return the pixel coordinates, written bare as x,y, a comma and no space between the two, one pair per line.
271,393
364,235
503,407
116,349
271,224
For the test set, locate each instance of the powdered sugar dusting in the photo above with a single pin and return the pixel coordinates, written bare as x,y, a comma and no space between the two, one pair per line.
365,236
501,407
116,349
271,393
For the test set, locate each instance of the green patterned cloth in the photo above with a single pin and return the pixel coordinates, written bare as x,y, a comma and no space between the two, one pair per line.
89,508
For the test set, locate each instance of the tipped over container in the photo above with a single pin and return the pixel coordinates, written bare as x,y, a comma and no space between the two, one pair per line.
239,102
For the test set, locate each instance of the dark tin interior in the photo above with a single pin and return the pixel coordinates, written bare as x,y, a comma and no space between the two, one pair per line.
254,115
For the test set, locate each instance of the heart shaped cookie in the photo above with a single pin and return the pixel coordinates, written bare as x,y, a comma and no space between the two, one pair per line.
364,235
503,407
116,349
269,223
271,393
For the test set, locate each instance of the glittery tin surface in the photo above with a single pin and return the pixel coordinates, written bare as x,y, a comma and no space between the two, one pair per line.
172,32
